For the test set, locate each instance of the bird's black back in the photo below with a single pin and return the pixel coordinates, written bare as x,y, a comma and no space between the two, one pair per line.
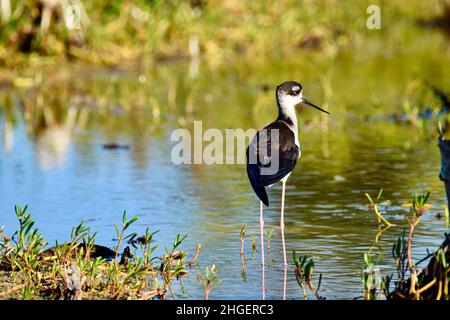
261,144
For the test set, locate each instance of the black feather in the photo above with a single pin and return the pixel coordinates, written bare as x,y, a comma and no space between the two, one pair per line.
259,148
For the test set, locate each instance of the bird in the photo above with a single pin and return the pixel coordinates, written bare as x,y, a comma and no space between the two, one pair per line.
274,151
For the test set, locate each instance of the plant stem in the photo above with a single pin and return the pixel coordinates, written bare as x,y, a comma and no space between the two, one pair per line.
119,242
380,217
411,267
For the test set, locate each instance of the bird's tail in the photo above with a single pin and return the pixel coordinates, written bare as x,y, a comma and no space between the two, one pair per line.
260,191
262,194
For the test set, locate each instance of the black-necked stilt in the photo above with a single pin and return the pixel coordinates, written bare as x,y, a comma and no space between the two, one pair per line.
273,152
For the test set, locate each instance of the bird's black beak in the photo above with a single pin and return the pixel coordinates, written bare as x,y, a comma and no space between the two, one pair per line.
313,105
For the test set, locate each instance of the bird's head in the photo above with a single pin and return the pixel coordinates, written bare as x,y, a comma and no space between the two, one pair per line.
290,94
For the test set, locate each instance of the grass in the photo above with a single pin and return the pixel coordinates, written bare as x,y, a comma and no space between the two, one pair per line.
80,269
123,31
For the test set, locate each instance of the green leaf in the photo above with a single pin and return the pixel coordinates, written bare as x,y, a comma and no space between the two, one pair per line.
134,219
379,194
366,259
294,256
30,225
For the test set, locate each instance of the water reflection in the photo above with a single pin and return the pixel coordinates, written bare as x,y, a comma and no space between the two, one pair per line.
8,136
53,141
52,145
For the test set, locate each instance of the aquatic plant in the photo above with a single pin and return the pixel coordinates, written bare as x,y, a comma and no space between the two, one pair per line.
304,270
194,260
269,236
210,280
419,205
410,284
242,237
173,263
22,250
254,246
374,205
121,235
431,283
447,216
371,277
79,268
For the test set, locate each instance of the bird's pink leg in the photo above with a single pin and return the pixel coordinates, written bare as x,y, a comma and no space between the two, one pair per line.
261,227
283,182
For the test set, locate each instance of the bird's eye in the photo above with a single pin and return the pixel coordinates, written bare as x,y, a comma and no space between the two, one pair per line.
295,91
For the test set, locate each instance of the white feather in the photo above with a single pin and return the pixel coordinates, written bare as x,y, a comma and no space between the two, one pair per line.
287,104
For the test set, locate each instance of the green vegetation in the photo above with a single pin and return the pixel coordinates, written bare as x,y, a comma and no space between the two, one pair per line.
80,269
304,271
210,280
374,206
432,283
123,31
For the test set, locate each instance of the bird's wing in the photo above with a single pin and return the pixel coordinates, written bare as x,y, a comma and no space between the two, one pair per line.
261,164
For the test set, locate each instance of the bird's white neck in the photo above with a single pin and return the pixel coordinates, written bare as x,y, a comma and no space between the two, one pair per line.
286,112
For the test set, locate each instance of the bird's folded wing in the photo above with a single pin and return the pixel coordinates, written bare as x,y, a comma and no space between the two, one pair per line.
261,161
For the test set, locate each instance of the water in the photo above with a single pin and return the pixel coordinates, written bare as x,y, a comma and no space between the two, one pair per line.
51,157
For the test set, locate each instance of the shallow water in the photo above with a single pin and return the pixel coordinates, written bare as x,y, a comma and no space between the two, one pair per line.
53,159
